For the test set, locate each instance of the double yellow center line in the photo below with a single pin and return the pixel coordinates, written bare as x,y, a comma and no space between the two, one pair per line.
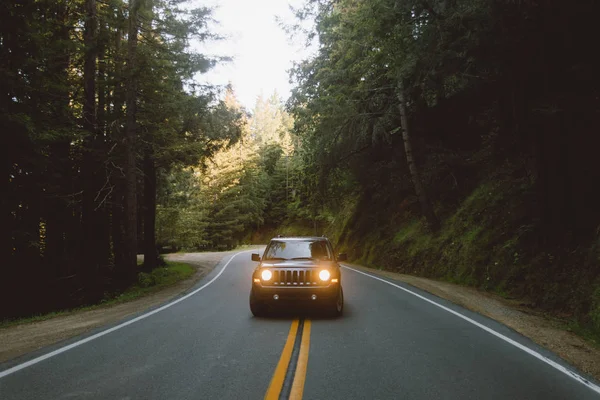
290,374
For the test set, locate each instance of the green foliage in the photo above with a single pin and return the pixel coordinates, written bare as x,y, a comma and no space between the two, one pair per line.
161,277
147,283
473,241
181,215
595,309
240,189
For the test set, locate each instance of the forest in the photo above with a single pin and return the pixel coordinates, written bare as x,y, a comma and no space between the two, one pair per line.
99,100
452,139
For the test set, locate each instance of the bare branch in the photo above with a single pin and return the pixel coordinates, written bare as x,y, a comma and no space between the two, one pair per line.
109,192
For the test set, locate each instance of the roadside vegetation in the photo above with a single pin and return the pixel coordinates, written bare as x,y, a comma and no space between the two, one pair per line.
161,277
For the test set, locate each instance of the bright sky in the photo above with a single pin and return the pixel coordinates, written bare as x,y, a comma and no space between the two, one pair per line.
261,49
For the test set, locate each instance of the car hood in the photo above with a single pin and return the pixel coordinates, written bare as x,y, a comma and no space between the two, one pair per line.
297,264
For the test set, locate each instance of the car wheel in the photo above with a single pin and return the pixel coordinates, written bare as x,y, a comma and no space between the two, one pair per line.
258,309
337,308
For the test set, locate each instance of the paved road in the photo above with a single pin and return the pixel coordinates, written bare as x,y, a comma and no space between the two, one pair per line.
390,344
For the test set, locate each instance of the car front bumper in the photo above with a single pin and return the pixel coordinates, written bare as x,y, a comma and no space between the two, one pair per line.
295,294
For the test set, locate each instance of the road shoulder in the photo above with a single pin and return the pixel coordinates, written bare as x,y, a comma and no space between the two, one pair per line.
528,322
22,339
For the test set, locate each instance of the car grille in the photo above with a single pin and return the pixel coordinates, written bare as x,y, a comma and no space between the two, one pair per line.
294,277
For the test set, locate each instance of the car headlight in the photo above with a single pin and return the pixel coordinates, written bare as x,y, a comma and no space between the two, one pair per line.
266,275
324,275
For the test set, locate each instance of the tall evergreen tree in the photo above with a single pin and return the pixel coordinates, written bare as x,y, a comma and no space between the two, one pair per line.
75,139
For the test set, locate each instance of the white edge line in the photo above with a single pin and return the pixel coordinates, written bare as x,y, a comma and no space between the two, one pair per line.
526,349
114,328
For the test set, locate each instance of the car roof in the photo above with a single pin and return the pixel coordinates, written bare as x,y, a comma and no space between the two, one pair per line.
299,238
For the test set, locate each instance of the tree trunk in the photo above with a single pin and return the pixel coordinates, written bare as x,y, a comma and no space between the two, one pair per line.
150,252
117,176
57,212
102,87
130,143
426,207
89,257
117,219
103,208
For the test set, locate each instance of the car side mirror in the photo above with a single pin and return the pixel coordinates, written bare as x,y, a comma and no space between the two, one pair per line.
342,257
255,257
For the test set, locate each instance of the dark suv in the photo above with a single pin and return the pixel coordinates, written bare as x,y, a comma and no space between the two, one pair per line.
297,270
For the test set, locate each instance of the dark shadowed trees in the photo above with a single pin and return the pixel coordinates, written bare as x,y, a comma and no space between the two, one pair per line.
97,97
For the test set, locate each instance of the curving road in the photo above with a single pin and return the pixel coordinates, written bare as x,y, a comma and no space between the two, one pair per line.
393,342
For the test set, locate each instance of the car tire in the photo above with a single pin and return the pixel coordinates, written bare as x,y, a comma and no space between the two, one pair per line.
257,308
337,308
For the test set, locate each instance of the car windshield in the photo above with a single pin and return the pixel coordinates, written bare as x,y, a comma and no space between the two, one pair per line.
298,250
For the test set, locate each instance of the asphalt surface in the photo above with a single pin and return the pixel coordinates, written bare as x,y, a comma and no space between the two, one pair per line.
389,344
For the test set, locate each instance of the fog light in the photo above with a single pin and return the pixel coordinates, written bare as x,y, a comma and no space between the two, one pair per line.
313,297
275,297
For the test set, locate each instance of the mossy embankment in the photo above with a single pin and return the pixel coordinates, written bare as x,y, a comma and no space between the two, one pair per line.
490,239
